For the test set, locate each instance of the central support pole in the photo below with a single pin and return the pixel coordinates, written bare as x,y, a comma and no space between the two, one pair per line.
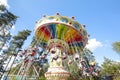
56,68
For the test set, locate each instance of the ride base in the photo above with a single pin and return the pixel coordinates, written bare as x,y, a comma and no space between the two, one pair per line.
57,73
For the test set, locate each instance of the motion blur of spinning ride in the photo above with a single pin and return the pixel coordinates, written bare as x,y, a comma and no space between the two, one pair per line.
26,66
29,65
61,37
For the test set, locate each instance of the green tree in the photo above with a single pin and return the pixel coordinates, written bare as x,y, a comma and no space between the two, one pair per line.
34,42
116,47
17,41
16,44
6,17
7,20
110,68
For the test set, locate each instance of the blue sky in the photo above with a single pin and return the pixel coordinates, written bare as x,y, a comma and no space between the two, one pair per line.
101,17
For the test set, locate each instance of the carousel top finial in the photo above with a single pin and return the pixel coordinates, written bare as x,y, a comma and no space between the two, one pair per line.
44,15
73,17
57,13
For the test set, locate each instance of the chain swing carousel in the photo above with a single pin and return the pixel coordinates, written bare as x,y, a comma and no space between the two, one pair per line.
61,37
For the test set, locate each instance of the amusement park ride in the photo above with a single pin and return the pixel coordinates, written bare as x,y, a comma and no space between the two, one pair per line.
61,37
64,40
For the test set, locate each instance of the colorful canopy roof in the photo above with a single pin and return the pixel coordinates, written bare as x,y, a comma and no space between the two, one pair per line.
63,28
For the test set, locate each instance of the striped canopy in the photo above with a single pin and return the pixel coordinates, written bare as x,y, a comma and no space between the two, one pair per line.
61,28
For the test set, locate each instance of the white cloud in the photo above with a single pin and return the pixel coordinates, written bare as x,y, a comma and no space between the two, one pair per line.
107,43
93,44
4,2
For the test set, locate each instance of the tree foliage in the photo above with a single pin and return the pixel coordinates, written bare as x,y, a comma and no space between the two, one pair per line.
110,68
6,17
16,45
116,47
7,20
17,41
34,42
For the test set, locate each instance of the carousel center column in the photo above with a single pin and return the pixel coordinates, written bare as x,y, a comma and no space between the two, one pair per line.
56,68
